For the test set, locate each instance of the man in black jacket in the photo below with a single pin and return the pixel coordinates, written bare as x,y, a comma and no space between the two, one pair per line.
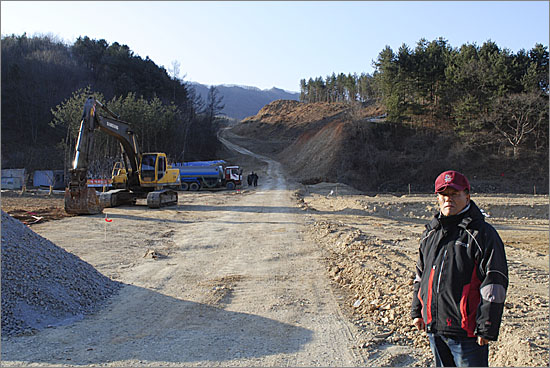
461,278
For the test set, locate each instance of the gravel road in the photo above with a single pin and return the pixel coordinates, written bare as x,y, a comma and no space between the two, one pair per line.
223,278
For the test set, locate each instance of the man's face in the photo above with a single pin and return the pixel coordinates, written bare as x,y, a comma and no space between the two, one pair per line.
452,201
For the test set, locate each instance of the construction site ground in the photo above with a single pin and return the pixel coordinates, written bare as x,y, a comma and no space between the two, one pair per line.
281,274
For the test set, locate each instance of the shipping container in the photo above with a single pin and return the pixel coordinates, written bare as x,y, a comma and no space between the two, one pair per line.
45,178
13,178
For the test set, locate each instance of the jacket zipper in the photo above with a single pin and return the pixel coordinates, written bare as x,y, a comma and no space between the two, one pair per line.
435,300
441,270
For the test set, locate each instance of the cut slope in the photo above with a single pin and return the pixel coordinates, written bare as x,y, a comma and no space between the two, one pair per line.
353,144
316,155
44,285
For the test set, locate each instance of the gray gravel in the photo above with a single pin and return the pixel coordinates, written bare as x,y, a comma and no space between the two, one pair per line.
43,285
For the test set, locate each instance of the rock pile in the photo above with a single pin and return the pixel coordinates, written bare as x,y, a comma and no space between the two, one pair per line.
43,285
379,278
370,246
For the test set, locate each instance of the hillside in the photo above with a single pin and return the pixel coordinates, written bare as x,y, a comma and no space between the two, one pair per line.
336,142
243,101
88,66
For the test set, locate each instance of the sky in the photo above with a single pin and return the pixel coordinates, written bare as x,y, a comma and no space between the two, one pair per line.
268,44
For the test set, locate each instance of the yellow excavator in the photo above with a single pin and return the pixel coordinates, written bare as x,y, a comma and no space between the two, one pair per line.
138,175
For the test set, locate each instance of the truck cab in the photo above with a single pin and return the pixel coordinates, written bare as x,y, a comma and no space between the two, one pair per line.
233,177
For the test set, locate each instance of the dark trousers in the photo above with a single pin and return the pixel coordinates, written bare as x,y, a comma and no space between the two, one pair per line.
458,352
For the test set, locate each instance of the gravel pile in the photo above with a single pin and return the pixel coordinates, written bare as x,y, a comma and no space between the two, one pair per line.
43,285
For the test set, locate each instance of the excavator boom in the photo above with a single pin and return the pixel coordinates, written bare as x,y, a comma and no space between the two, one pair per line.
79,199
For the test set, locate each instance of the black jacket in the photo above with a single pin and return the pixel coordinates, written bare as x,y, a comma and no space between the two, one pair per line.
461,276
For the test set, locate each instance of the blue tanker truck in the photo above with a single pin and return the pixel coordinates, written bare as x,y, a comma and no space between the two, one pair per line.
197,175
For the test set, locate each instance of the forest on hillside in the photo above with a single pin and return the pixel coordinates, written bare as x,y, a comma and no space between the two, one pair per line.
492,100
45,83
490,97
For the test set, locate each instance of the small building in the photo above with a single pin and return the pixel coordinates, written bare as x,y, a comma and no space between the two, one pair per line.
45,178
13,178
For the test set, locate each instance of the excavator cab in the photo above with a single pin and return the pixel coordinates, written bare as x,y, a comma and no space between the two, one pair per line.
155,171
148,167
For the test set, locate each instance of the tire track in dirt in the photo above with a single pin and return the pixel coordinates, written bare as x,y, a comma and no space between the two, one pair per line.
291,259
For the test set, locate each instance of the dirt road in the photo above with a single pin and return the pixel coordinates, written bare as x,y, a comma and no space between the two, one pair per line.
278,275
224,278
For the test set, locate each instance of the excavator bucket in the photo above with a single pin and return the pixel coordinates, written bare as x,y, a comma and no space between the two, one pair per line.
82,201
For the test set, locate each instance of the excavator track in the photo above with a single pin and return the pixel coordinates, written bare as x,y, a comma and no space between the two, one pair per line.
117,197
161,198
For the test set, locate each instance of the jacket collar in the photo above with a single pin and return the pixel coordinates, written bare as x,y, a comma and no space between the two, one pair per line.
472,214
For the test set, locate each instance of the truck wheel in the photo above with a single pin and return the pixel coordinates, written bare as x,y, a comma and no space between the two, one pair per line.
230,185
194,186
184,186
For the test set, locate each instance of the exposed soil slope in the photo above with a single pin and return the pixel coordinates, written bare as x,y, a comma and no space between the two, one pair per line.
352,144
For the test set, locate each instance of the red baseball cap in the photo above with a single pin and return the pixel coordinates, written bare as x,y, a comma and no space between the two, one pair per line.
452,179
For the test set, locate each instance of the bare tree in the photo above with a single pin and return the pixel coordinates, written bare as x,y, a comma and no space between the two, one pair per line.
175,72
214,104
518,115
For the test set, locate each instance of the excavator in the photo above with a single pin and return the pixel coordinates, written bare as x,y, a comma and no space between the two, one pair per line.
139,175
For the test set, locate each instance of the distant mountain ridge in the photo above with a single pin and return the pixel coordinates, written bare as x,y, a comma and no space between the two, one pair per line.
244,101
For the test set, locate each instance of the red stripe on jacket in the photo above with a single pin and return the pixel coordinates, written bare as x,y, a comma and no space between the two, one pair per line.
469,302
429,301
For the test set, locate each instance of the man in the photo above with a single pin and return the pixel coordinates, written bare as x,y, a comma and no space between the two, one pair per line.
461,278
255,179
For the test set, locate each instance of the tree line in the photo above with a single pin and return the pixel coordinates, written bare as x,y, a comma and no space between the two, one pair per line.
45,83
473,89
338,88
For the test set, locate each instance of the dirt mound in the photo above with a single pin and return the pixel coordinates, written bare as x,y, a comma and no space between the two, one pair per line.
44,285
294,112
290,112
310,139
280,123
376,273
289,119
317,156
